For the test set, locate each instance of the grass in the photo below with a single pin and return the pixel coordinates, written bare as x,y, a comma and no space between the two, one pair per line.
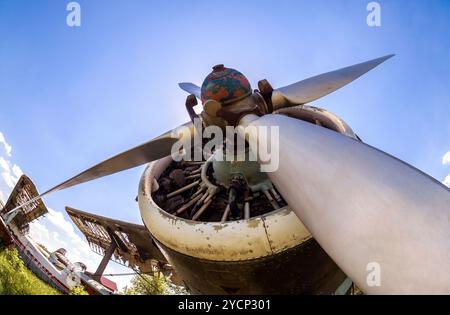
17,279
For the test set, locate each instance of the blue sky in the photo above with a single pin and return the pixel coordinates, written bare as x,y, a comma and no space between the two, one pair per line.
71,97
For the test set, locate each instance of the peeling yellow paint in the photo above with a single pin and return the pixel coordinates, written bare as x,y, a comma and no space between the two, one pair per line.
265,235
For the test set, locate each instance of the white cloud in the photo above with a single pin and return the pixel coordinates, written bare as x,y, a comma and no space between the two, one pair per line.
2,197
57,232
54,231
58,220
446,161
17,171
6,146
10,174
39,232
447,181
9,179
446,158
4,164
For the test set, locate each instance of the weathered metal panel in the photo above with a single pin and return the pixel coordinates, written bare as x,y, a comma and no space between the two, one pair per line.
303,269
24,191
139,249
366,208
284,230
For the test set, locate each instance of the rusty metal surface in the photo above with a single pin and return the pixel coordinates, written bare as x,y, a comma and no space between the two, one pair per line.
229,241
5,235
136,248
304,269
24,191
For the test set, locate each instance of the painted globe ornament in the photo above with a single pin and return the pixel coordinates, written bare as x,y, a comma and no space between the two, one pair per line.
225,85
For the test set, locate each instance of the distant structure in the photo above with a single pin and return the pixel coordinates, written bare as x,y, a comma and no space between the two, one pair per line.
22,192
125,243
52,267
5,236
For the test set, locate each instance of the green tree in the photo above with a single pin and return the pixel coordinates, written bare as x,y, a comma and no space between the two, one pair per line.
16,278
78,290
147,285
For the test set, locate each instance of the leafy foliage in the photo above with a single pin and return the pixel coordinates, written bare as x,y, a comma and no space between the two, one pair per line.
16,278
147,285
78,290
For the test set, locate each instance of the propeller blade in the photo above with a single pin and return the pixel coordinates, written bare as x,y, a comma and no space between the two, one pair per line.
191,88
316,87
376,216
150,151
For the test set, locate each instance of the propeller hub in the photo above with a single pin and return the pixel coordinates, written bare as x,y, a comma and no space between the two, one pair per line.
241,167
225,85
